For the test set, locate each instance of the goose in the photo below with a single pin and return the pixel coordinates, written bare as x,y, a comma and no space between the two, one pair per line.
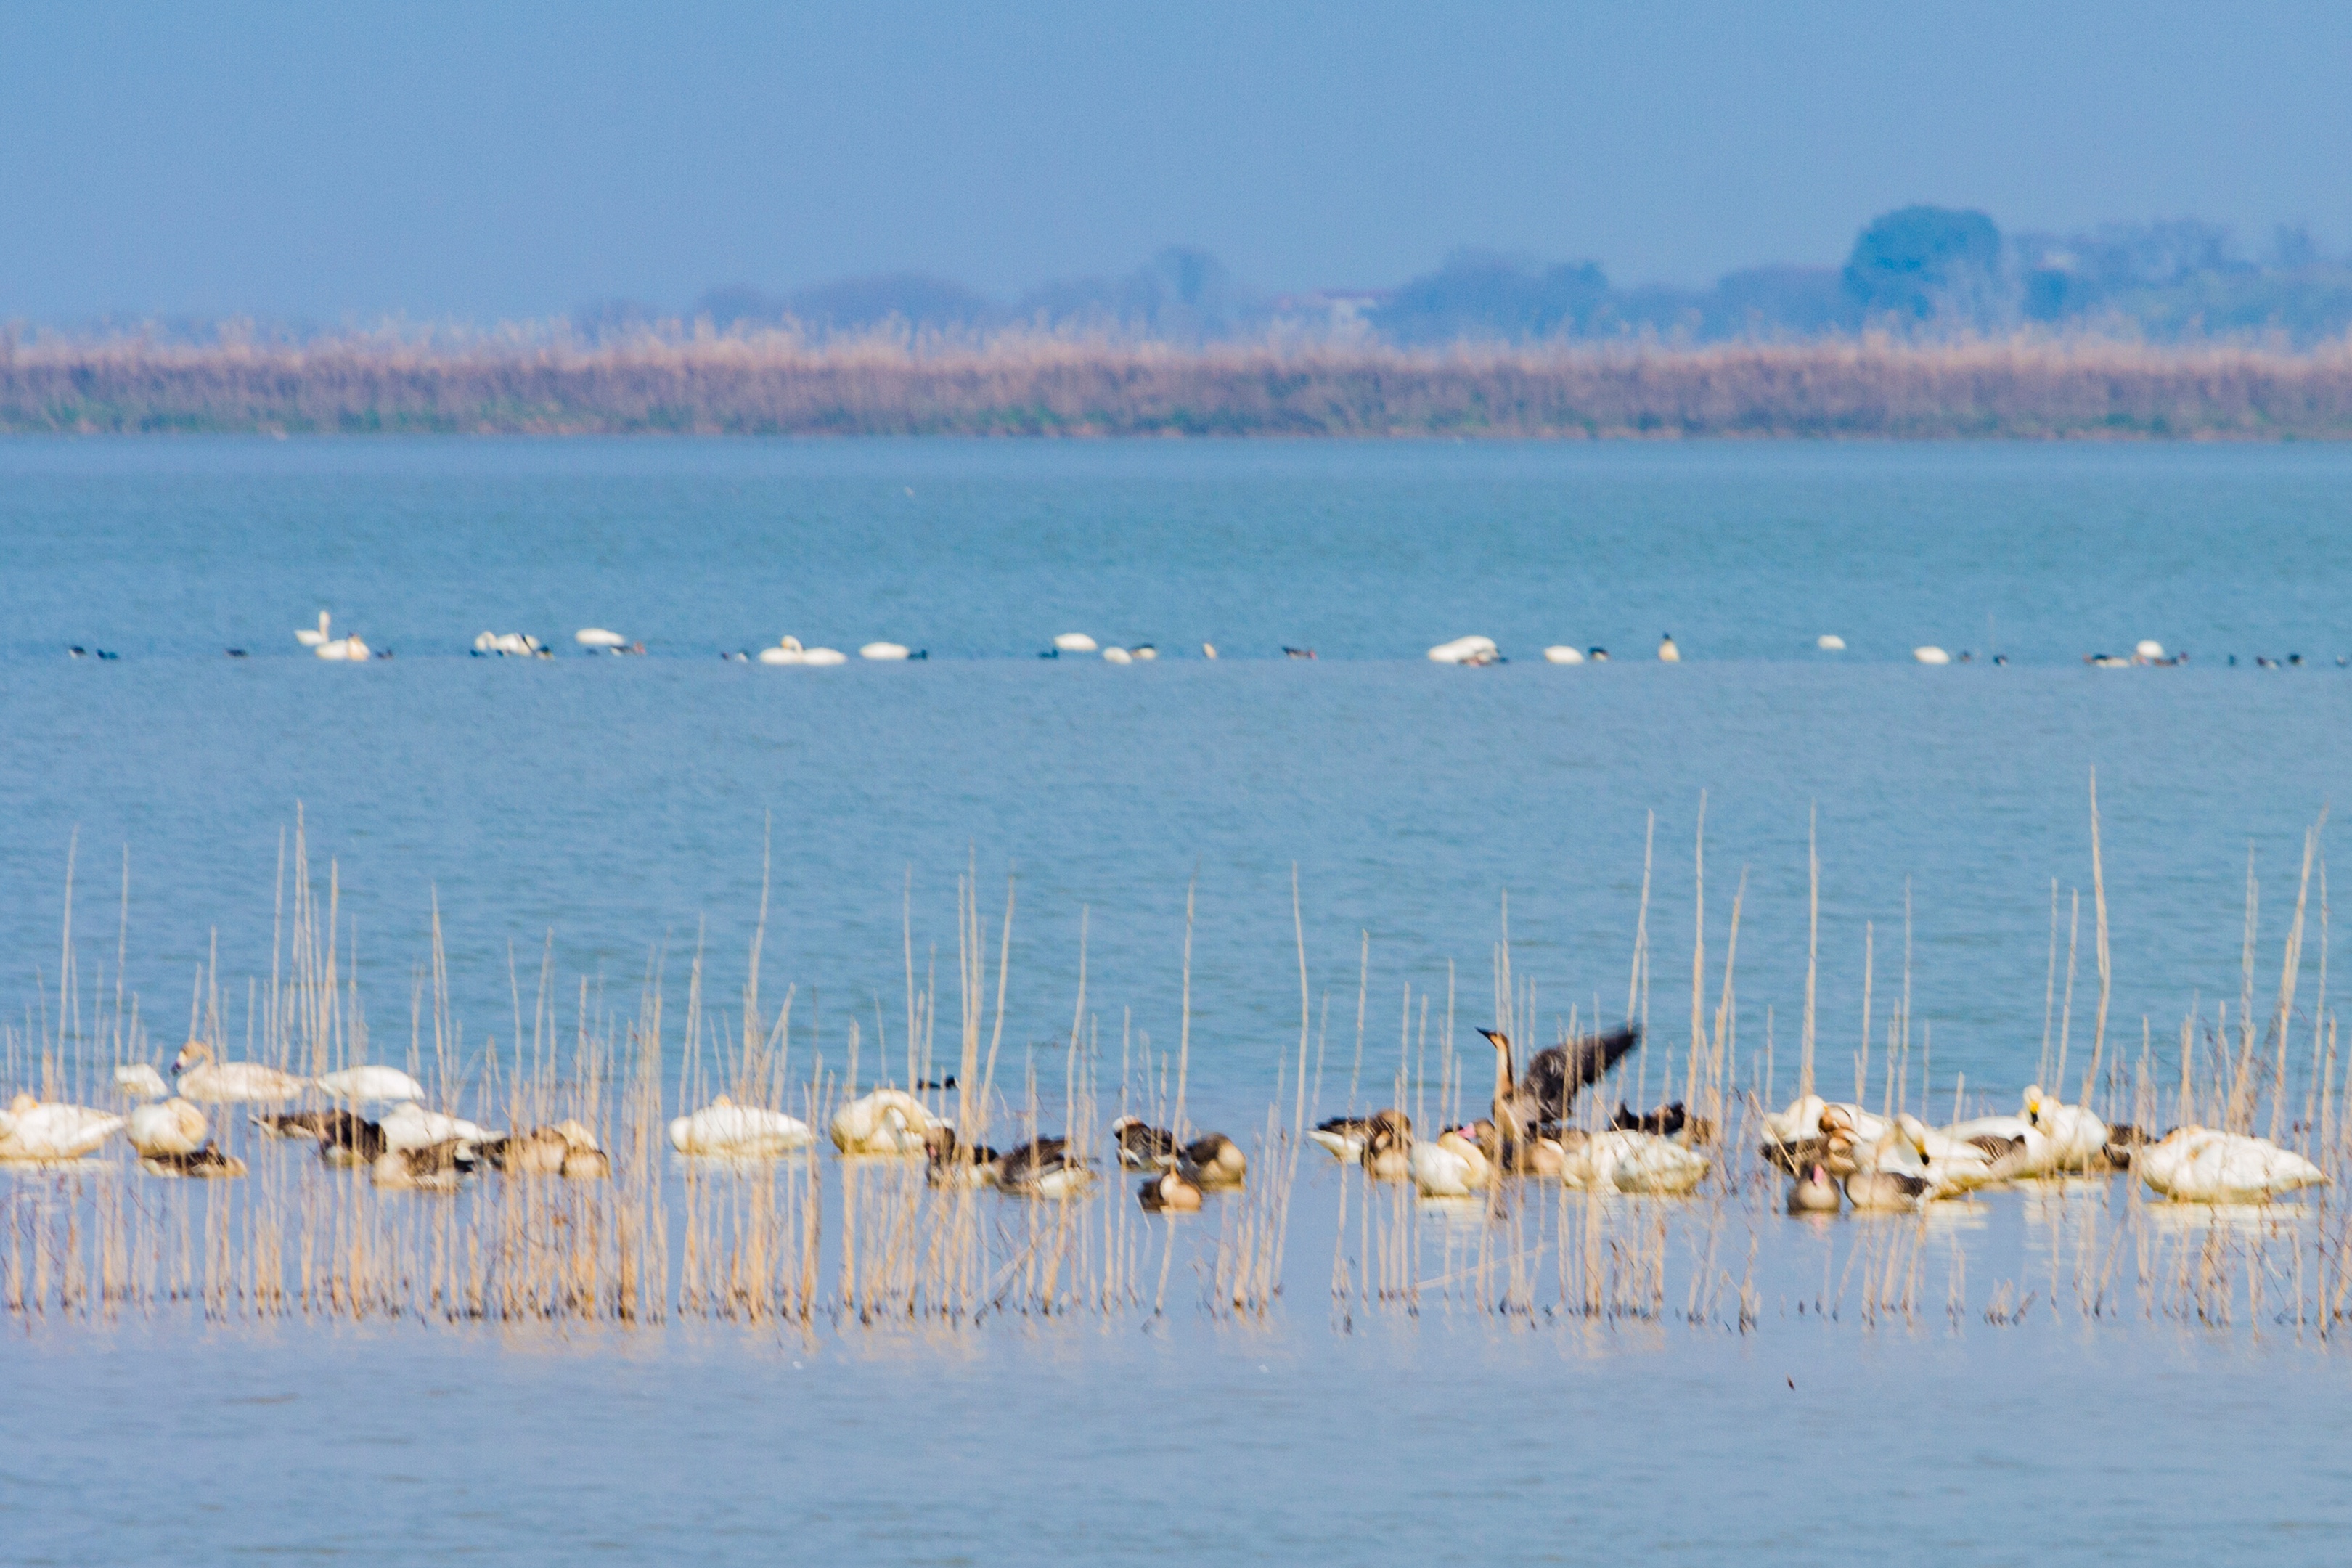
1044,1168
1928,653
1388,1149
1561,653
371,1082
1666,1121
2036,1155
740,1131
344,1137
1864,1127
168,1127
2078,1139
1074,642
435,1168
200,1078
1960,1164
1814,1193
310,638
1830,642
887,1121
1143,1147
2198,1165
1214,1159
1470,650
1144,653
1168,1192
342,650
2123,1140
1118,655
40,1132
1345,1136
1548,1088
409,1126
1667,652
1532,1153
598,637
566,1149
140,1080
206,1162
1882,1192
1451,1167
885,652
955,1163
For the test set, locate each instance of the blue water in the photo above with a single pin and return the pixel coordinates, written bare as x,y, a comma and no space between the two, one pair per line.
617,807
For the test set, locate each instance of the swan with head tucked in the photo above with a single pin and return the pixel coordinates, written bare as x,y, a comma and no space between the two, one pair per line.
887,1121
36,1132
372,1082
1628,1162
168,1127
725,1128
1451,1167
200,1078
2198,1165
141,1081
409,1126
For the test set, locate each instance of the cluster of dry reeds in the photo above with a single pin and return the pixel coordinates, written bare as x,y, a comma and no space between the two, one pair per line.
780,383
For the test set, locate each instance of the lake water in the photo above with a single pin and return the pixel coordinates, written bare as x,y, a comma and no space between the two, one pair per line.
611,814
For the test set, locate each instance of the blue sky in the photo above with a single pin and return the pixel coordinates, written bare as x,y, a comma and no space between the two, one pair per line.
488,159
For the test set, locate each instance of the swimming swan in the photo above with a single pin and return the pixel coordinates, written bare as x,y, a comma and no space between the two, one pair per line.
739,1132
200,1078
169,1127
790,651
370,1082
310,638
1561,653
887,1121
2197,1165
1074,642
40,1131
885,652
342,650
598,637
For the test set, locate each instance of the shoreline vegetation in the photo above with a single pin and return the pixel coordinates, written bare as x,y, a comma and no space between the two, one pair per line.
781,383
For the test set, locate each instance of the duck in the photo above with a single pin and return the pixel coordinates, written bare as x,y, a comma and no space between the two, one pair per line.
2078,1139
317,638
566,1149
1044,1168
200,1078
1815,1192
1142,1147
370,1082
1170,1192
887,1121
739,1132
35,1132
206,1162
1451,1167
1344,1136
140,1080
1553,1077
1667,652
1214,1159
2198,1165
168,1127
1388,1148
436,1168
408,1126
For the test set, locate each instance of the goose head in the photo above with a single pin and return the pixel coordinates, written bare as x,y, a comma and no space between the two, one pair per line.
193,1054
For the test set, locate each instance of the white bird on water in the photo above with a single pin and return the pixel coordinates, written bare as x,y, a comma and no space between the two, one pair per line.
597,637
1931,653
221,1083
790,651
371,1082
1667,652
1118,655
1560,653
1830,642
740,1132
310,638
38,1131
1074,642
1470,650
342,650
884,651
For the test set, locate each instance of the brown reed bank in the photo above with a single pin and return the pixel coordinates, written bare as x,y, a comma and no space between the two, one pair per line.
779,384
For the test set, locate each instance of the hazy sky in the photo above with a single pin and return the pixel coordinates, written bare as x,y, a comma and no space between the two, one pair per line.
486,160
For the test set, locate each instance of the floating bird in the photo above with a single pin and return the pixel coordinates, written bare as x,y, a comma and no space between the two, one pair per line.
1118,655
1667,652
1666,1121
1630,1161
435,1168
510,644
885,652
739,1132
1074,642
1346,1136
206,1162
317,638
1208,650
1143,1147
1469,650
344,1137
790,651
1931,654
343,650
1553,1076
1044,1168
168,1127
1294,653
2149,651
43,1132
1814,1193
371,1082
1560,653
236,653
956,1164
1388,1148
1830,642
566,1149
598,637
1597,655
1451,1167
213,1082
1885,1191
887,1121
409,1125
2198,1165
141,1080
1168,1192
1214,1159
1144,653
2078,1139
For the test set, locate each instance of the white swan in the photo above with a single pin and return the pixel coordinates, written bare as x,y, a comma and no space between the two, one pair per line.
1118,655
140,1080
1472,650
740,1132
1667,652
1804,1118
1074,642
2078,1139
1962,1164
310,638
1830,642
1626,1161
372,1082
172,1127
790,651
1560,653
1145,654
597,637
2198,1165
884,651
1931,653
1451,1167
221,1083
40,1131
342,650
2148,651
409,1125
887,1121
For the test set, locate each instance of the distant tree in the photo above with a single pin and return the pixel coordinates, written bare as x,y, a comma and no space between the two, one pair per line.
860,304
738,304
1183,294
611,321
1478,295
1777,303
1920,263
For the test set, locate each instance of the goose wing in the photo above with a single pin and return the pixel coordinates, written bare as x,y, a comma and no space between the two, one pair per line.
1553,1077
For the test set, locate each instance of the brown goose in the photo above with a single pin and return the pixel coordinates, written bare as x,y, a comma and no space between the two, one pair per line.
207,1160
956,1164
1549,1087
438,1168
1388,1147
1143,1147
1214,1159
1044,1168
1814,1193
566,1149
1168,1192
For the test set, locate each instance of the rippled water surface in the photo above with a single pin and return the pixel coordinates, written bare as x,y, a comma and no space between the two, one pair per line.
608,815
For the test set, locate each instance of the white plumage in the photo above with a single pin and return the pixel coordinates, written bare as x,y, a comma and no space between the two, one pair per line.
2198,1165
741,1132
38,1131
887,1121
371,1082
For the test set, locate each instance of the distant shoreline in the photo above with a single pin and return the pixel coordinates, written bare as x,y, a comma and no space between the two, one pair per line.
1870,390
